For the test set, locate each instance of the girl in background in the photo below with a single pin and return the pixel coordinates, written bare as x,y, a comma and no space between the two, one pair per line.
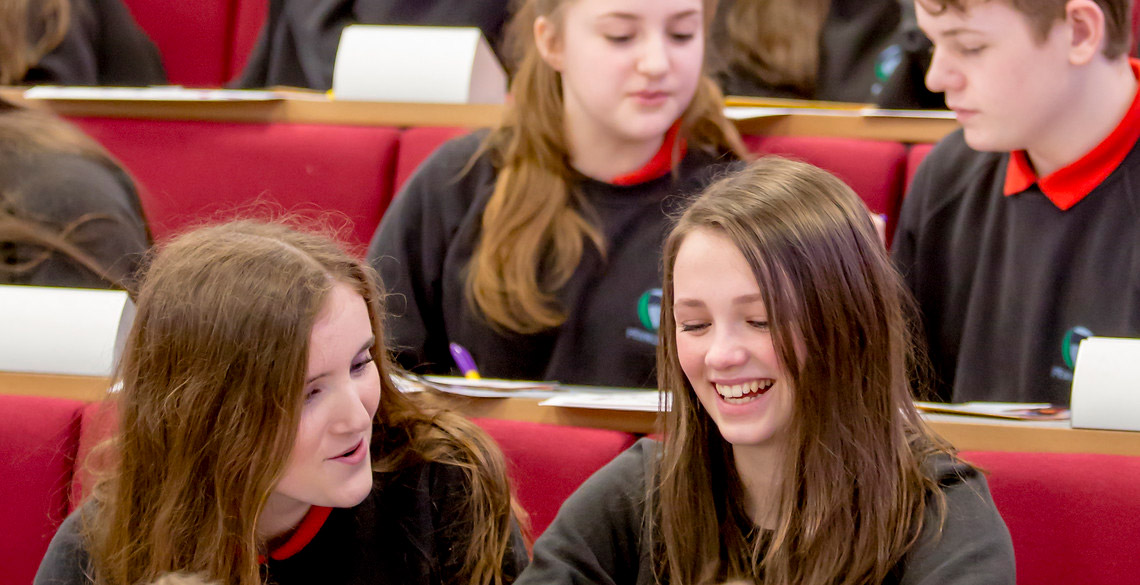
69,215
793,452
536,246
261,438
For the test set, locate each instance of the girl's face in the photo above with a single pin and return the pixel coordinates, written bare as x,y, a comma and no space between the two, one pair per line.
724,342
330,463
629,67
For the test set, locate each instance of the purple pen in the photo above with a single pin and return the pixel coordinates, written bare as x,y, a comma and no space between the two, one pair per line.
464,361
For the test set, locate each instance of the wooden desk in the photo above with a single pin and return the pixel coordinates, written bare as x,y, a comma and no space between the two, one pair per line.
967,433
806,119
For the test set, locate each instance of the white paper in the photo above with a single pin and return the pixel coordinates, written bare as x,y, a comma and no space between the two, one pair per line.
62,330
166,93
424,64
630,400
1106,384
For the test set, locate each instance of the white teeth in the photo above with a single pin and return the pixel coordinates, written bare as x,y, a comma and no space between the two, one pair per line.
747,388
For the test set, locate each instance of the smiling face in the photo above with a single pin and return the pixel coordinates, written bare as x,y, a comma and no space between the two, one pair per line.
724,343
330,463
629,68
1005,83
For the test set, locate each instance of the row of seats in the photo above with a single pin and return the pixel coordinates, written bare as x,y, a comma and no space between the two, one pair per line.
191,171
1074,518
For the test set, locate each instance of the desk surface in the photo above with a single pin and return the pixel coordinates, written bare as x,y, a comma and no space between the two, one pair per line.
966,433
800,118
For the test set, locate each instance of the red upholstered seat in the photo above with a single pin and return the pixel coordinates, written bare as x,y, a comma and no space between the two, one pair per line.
193,171
914,157
548,462
38,439
416,144
1074,518
249,17
193,37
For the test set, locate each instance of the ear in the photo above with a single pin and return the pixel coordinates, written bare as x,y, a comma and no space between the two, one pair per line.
1085,22
549,44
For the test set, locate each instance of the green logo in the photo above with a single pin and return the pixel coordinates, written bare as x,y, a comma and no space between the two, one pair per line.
1072,342
649,309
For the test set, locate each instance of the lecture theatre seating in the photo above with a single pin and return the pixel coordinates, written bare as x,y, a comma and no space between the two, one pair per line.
1074,518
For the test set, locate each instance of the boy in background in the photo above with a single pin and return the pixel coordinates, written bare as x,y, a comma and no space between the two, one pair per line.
1020,235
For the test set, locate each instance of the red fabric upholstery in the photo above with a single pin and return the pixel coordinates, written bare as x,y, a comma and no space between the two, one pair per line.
96,425
1074,518
249,17
193,37
416,144
914,158
548,462
193,171
38,438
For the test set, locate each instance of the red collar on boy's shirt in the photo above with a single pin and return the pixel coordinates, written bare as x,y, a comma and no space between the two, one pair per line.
661,163
1066,186
307,530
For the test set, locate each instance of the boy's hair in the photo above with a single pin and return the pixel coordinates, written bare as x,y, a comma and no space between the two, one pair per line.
1043,14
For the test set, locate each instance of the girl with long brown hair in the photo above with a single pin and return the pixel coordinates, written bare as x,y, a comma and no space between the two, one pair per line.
792,451
261,438
536,245
75,42
69,215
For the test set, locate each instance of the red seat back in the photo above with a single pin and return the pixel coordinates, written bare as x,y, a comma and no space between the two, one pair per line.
193,171
1074,518
38,440
193,37
549,462
416,144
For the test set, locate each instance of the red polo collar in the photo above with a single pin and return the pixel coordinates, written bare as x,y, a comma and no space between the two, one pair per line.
658,166
1068,185
307,530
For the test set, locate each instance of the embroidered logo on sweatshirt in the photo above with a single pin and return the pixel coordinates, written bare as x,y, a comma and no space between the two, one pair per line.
1070,344
649,315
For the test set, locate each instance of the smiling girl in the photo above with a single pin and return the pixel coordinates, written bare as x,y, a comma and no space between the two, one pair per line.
261,440
792,451
536,246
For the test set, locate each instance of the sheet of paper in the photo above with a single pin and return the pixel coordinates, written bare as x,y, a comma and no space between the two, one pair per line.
631,400
164,93
1004,410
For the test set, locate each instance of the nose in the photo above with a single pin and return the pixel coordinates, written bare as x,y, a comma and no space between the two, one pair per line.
354,413
654,58
942,75
726,352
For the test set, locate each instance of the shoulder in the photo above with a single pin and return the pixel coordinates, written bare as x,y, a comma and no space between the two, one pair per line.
952,167
65,562
450,159
79,182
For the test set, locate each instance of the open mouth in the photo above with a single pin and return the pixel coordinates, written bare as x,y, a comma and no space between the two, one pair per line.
745,392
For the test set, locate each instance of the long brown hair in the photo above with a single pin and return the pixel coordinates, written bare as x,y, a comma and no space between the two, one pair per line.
29,30
27,133
535,226
854,492
775,41
210,403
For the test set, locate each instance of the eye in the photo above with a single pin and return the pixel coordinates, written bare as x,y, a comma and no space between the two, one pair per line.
692,327
358,367
972,50
682,37
310,394
758,324
619,39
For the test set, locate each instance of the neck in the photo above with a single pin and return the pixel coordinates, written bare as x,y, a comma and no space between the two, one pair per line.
601,157
1090,115
760,469
280,517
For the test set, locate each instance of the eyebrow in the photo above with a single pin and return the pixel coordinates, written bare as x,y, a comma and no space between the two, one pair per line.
741,300
631,16
367,345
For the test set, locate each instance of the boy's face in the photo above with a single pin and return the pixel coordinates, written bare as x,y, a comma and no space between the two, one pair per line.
1005,84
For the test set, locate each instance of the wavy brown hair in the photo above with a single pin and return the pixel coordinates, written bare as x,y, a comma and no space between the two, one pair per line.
29,30
535,226
212,380
854,493
775,41
1043,14
26,133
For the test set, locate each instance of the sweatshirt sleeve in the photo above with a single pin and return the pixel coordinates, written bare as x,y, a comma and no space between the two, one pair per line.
598,534
65,562
972,546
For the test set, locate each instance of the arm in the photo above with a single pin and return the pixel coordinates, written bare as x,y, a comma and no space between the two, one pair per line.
598,536
973,546
65,562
